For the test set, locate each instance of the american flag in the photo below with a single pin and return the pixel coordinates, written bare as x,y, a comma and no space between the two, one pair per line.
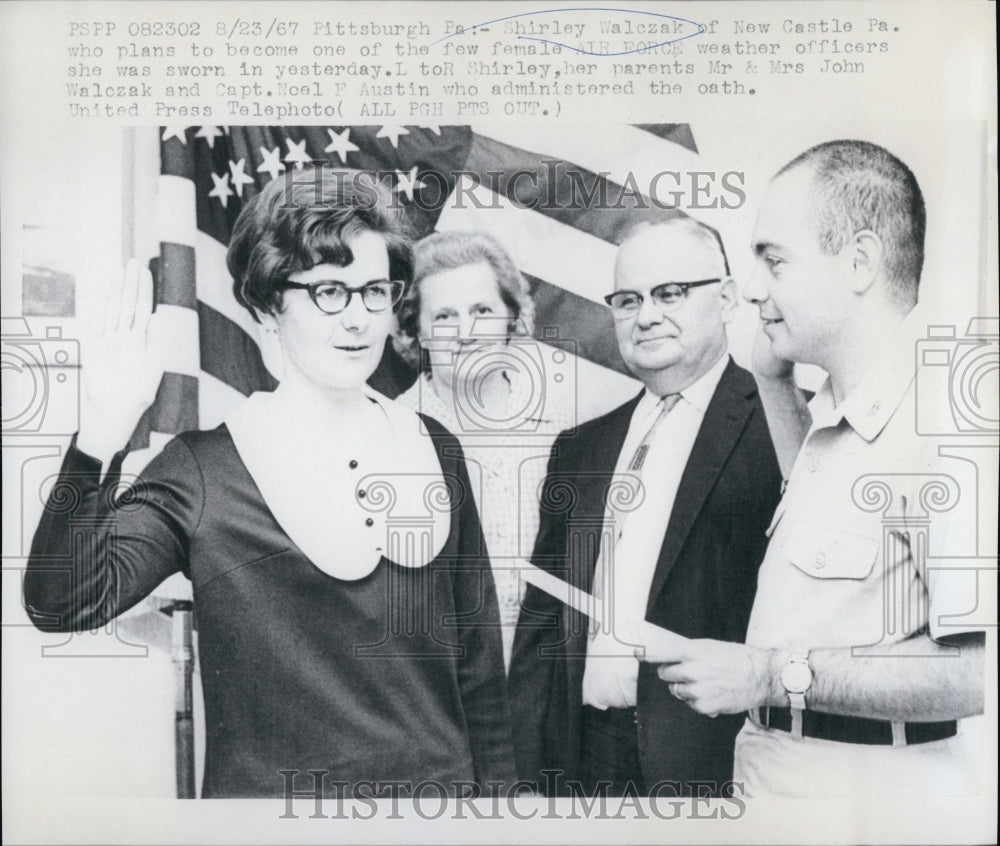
553,197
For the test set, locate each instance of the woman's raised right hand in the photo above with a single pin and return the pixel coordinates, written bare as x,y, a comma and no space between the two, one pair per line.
123,362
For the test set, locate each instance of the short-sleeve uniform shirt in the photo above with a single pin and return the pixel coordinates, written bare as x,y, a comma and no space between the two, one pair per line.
847,563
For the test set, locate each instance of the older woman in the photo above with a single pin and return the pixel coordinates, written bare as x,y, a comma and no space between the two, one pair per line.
466,322
336,633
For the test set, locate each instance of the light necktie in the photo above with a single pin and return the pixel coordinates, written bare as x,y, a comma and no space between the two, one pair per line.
639,457
635,467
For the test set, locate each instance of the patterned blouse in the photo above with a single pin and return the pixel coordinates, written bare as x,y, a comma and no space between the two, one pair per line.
507,456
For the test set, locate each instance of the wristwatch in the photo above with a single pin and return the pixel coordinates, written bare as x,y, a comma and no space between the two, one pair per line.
797,678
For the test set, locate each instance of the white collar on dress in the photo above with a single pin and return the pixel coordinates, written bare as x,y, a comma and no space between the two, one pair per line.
315,494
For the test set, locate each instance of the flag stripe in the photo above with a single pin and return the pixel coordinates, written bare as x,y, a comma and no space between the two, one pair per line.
175,409
229,354
215,285
177,276
622,154
180,328
571,258
678,133
562,191
177,159
175,202
588,327
216,400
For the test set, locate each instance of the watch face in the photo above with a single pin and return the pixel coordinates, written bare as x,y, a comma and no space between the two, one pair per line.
796,677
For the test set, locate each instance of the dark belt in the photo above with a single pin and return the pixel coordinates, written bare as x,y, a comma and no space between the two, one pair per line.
852,729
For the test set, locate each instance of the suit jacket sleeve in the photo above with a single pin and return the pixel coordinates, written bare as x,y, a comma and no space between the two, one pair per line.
539,632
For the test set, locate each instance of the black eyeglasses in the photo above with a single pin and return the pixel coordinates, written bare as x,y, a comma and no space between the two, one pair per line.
668,296
334,297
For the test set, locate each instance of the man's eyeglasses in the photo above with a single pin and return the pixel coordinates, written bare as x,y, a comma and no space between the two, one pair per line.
668,296
334,297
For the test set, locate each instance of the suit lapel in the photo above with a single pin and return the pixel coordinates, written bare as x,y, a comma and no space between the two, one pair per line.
605,446
725,419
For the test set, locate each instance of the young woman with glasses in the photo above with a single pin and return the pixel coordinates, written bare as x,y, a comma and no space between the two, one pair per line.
348,623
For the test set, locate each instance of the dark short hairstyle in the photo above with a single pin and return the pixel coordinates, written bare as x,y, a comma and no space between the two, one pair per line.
860,185
709,237
451,250
304,219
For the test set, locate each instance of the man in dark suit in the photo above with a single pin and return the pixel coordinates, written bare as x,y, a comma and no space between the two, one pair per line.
660,509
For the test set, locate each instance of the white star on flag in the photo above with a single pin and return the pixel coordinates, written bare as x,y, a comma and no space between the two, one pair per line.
392,133
297,153
209,133
406,182
221,189
239,177
174,132
272,162
341,144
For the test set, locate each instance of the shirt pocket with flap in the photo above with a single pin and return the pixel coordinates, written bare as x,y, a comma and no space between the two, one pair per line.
831,552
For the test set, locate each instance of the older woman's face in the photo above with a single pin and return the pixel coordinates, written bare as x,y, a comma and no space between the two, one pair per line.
461,314
335,351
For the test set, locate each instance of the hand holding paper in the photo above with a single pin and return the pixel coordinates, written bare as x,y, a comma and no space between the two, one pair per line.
661,646
713,677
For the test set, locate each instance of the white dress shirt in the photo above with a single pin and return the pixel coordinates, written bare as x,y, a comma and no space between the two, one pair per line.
612,672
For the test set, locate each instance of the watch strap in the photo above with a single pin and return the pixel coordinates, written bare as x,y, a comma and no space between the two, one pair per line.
797,699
